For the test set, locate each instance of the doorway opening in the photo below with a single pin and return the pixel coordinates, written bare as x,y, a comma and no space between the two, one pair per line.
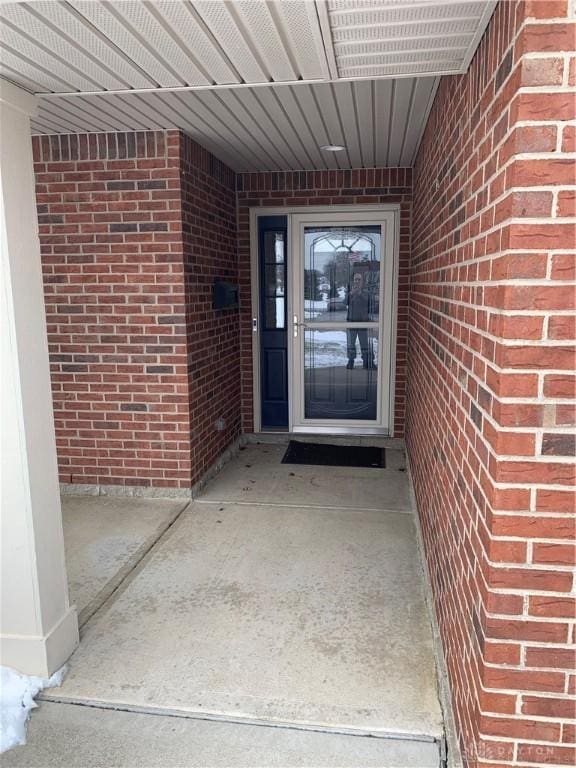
324,319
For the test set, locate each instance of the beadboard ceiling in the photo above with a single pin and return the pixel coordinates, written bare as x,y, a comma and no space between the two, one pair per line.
379,122
261,83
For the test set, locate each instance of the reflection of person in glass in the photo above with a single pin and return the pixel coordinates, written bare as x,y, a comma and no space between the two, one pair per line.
359,303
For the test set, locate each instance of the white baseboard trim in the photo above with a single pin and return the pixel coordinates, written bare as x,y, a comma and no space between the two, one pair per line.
41,655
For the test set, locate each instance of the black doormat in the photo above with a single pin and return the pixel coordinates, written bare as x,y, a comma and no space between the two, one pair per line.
334,455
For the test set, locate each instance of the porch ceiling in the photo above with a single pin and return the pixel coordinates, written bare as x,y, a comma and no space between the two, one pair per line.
280,128
262,84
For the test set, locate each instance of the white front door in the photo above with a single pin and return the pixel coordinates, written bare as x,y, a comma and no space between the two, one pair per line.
342,320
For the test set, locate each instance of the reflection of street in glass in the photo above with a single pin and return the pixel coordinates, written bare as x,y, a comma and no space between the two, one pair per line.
326,349
341,285
333,257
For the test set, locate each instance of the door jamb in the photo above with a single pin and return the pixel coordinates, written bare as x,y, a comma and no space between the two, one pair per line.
255,212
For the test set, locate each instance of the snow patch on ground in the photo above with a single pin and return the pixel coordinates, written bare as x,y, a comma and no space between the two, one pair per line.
17,694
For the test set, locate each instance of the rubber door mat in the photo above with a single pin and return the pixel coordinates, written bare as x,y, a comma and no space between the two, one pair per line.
324,454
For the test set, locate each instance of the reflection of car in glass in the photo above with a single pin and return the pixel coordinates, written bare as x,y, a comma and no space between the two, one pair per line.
336,304
339,305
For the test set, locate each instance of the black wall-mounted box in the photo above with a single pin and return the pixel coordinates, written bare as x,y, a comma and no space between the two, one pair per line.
224,295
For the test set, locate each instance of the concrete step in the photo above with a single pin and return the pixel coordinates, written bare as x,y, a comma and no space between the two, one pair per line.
73,736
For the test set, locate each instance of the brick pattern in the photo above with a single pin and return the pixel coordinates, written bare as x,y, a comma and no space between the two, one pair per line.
210,253
125,222
111,243
302,188
490,409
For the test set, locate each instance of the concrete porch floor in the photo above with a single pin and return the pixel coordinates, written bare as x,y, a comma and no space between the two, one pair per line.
104,538
288,596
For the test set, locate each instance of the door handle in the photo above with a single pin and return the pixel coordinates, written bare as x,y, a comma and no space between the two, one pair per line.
296,325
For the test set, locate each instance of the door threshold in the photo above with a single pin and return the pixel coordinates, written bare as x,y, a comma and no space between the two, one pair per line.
347,439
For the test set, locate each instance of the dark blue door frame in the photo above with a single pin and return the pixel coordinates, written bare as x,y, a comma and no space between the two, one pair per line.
273,320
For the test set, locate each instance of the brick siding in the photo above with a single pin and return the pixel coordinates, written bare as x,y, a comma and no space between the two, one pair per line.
301,188
210,250
490,407
122,236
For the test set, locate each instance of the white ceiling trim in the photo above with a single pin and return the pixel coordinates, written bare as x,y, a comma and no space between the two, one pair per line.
388,72
327,41
480,29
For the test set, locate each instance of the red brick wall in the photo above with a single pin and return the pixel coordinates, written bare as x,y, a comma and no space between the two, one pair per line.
301,188
490,389
134,228
122,239
210,253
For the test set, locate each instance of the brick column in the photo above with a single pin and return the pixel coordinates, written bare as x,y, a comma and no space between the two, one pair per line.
134,229
110,215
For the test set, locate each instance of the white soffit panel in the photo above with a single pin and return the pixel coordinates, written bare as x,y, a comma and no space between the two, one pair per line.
93,46
53,23
376,38
256,129
111,45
